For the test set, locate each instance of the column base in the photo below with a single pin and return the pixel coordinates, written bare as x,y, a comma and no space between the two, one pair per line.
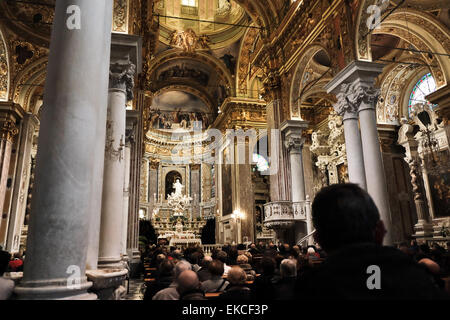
423,229
54,290
108,284
111,263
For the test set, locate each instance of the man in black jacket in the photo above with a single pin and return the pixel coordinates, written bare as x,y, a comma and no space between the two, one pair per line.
349,229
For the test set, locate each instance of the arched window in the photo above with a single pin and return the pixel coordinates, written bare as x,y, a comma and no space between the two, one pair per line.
425,86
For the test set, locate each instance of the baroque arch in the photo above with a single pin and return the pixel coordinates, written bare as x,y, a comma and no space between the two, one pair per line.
309,75
199,57
420,29
4,69
29,84
264,13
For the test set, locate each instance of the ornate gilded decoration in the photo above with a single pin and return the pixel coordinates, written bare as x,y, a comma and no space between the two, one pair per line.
120,16
188,40
9,130
4,74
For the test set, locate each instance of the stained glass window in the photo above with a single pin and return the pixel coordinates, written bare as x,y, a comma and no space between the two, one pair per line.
425,86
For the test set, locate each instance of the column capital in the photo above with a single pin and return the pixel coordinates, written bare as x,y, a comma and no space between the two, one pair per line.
293,130
10,114
354,97
121,76
354,85
294,143
126,61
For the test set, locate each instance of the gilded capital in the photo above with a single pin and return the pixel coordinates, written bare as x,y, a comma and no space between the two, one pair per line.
9,130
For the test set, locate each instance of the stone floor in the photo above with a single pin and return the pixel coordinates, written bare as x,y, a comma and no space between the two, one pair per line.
136,290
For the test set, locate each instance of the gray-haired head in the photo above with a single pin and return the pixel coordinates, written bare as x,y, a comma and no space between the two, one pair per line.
288,268
181,266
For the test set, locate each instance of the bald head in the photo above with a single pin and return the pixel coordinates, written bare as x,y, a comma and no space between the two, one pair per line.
187,281
432,266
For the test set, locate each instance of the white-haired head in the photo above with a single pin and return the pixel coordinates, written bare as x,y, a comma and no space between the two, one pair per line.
181,266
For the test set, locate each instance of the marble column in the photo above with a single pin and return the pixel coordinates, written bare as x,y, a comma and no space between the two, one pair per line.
120,91
373,160
126,202
74,104
244,195
353,144
195,189
294,142
22,180
135,183
10,116
423,227
130,137
354,86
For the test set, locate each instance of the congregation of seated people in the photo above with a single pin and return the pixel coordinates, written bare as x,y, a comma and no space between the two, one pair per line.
348,239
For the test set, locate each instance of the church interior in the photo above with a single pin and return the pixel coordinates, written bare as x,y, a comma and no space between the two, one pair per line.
139,133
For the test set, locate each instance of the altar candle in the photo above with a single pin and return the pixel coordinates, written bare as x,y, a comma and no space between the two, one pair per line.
154,197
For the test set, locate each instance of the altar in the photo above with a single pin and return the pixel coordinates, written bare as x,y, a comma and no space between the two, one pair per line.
178,229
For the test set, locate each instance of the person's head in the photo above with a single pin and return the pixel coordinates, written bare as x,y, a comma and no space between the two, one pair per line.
4,261
187,281
222,256
430,265
268,265
286,247
216,268
233,254
310,251
249,256
166,268
253,246
345,214
181,266
236,276
177,254
288,268
424,248
196,257
403,247
160,258
206,261
242,259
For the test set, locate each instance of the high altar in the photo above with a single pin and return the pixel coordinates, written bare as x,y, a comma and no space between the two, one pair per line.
177,228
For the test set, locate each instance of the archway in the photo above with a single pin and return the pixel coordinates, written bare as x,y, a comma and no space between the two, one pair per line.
171,178
4,69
